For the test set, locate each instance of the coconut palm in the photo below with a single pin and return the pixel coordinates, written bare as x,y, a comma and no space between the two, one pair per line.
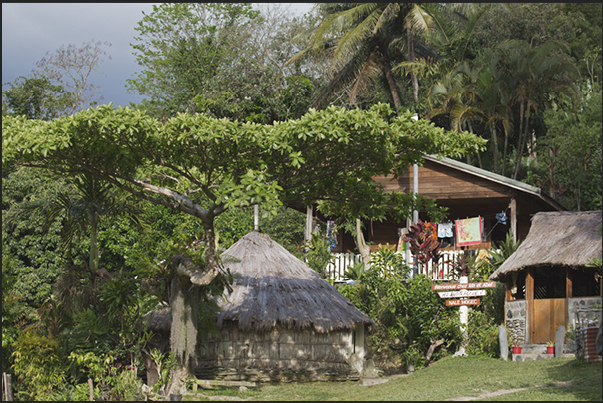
363,41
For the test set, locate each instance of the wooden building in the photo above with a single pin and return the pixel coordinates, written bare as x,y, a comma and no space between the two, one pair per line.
468,192
548,278
282,316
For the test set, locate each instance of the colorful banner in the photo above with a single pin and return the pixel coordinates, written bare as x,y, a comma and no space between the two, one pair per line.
468,231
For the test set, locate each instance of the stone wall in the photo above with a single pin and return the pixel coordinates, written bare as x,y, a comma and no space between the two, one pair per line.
585,309
516,319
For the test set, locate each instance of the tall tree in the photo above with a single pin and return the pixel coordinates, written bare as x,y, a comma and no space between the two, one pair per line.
35,98
71,67
182,46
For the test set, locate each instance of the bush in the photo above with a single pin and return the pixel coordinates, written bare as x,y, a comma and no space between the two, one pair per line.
37,365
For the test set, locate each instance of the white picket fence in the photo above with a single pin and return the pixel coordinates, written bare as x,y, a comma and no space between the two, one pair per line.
443,270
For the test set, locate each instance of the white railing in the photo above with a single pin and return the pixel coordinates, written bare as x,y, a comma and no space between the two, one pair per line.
443,270
340,263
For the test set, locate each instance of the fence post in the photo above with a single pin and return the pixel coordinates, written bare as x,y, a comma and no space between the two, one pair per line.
91,388
8,386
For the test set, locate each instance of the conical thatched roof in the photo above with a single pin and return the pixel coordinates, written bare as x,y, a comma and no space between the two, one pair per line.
561,238
272,287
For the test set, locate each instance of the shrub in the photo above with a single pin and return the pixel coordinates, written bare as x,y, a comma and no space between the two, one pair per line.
37,365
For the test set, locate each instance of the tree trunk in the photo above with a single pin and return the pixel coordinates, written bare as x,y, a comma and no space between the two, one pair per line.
411,58
93,246
494,147
392,85
184,304
364,249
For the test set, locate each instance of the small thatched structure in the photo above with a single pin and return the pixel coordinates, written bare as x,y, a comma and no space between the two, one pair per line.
550,280
282,314
560,238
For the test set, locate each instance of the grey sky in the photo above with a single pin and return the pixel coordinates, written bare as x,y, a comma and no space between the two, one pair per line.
29,30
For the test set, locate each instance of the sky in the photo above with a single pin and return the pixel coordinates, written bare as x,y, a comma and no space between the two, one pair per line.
30,30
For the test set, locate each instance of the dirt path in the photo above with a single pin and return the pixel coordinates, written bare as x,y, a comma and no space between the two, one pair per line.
504,392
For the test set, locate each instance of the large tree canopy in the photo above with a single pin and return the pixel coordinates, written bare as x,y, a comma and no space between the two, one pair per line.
202,166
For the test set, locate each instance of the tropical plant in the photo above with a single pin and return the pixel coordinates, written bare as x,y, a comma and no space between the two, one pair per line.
362,41
354,272
422,239
318,254
38,365
502,251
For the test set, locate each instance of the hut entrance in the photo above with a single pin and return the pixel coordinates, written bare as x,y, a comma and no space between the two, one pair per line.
550,303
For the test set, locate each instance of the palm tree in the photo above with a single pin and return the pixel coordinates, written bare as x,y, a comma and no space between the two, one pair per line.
84,211
534,72
363,40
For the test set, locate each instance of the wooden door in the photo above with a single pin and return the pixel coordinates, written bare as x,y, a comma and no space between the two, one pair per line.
548,315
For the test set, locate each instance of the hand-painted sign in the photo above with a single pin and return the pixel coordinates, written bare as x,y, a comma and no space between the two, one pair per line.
462,293
468,286
459,302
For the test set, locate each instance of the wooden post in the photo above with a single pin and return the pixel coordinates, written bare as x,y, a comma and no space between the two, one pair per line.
256,217
530,302
8,387
91,389
514,214
308,232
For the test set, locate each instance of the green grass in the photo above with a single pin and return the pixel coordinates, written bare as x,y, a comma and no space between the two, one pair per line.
553,379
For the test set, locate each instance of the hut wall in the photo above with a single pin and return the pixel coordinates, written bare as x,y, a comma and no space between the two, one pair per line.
278,348
516,317
583,310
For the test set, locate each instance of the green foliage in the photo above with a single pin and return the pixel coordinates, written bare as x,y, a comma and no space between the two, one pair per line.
37,364
35,98
182,46
318,254
165,363
354,272
482,334
569,164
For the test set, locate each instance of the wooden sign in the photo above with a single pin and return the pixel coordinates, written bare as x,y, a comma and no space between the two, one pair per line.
462,293
462,286
459,302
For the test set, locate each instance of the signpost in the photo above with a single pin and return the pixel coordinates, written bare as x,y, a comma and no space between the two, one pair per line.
462,302
462,293
462,286
463,290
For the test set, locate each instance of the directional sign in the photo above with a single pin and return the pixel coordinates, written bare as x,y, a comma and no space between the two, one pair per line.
468,286
462,293
459,302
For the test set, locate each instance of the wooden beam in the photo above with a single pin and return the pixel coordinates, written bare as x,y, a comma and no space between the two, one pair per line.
514,214
530,302
568,283
308,231
210,383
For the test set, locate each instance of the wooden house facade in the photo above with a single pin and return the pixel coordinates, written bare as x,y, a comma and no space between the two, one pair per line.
466,191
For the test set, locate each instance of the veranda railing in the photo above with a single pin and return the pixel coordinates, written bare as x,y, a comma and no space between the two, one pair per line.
442,271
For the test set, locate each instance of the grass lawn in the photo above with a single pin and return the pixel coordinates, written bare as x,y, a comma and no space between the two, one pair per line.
450,378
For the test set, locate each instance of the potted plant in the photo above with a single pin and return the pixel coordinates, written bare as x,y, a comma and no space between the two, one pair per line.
516,349
550,347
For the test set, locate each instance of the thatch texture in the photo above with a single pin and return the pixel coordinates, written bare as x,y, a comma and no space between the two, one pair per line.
561,238
274,289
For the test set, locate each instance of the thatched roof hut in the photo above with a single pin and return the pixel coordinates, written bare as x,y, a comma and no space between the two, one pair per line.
559,238
549,279
282,316
273,288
